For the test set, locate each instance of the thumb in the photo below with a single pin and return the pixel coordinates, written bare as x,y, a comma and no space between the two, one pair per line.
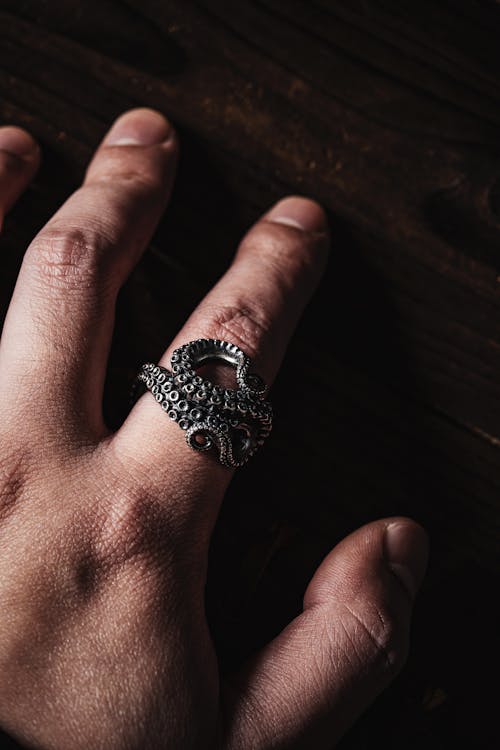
306,687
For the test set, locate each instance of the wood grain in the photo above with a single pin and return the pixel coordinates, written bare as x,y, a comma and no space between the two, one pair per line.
388,113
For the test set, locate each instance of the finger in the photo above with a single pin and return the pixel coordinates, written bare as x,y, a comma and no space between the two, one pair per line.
19,160
255,305
58,329
309,684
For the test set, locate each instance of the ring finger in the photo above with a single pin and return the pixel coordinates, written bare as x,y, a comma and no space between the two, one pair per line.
19,160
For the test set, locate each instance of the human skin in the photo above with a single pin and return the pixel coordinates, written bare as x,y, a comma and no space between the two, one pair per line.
104,536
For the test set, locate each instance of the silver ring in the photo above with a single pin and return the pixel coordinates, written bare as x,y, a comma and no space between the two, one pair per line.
234,421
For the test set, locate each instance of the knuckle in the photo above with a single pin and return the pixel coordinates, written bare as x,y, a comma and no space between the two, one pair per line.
134,528
127,526
288,252
67,256
376,635
241,324
129,168
14,473
135,180
11,488
140,527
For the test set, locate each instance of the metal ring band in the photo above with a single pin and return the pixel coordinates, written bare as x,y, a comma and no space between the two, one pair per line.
235,421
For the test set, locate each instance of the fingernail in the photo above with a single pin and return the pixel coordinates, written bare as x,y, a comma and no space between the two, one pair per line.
407,552
140,127
301,213
16,141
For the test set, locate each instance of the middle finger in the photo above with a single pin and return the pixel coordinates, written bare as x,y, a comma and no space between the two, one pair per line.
59,325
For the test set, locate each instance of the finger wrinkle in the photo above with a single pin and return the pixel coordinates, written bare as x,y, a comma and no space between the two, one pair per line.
287,246
13,164
379,637
154,164
141,180
239,324
71,259
12,481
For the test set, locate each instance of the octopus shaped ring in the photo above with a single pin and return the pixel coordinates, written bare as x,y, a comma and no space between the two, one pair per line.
235,421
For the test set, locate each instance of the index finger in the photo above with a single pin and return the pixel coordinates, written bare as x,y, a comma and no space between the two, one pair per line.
255,306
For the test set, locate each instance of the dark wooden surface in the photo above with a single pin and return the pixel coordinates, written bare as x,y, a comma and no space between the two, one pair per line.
387,112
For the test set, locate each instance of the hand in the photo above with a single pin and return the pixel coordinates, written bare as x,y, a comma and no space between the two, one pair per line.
104,537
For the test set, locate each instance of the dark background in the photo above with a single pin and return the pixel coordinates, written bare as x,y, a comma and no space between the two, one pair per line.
388,113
